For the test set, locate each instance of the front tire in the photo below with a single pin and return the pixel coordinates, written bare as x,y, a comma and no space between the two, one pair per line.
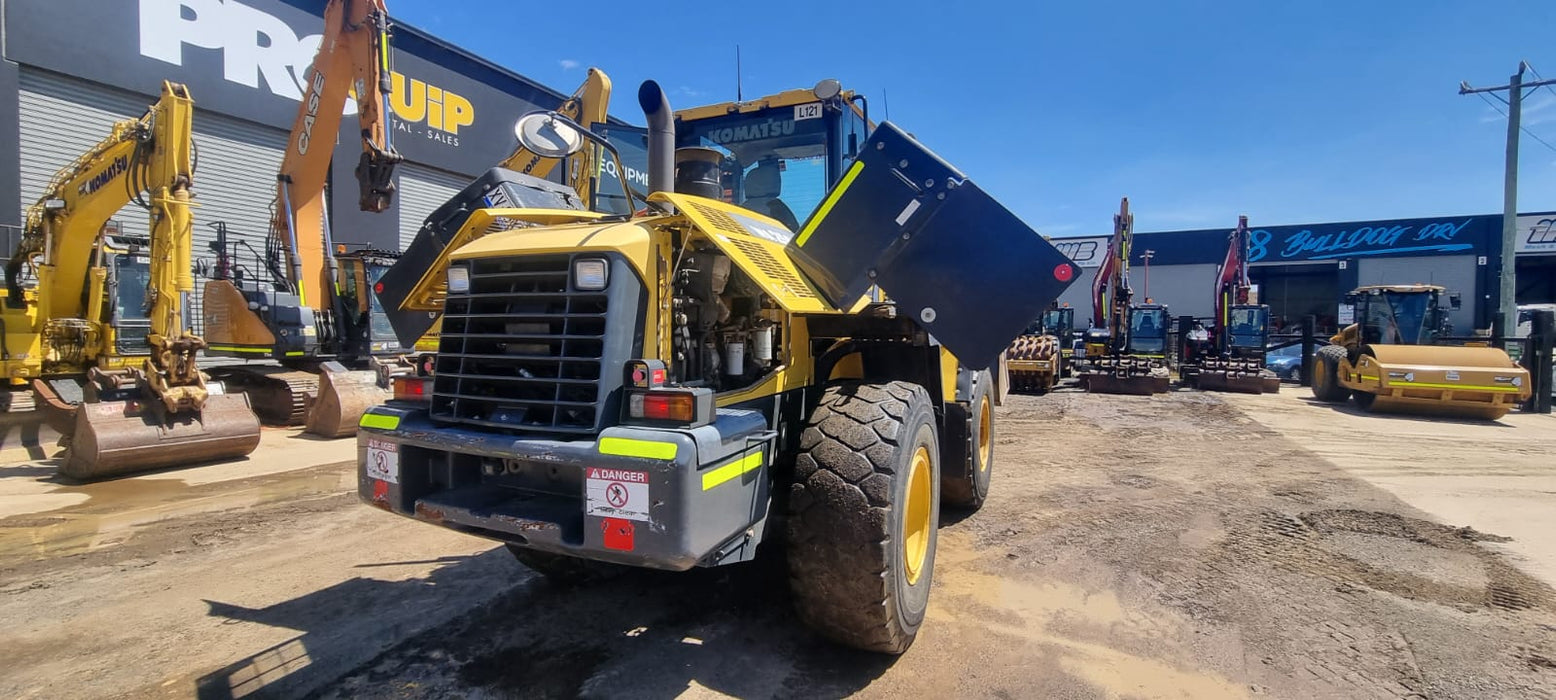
863,515
1326,374
968,458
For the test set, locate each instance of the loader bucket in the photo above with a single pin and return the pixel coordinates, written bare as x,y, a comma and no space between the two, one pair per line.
113,438
342,398
1464,382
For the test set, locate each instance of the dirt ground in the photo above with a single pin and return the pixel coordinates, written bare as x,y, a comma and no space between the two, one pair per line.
1186,545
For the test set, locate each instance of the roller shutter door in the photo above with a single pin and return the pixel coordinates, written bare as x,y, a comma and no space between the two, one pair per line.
61,117
421,190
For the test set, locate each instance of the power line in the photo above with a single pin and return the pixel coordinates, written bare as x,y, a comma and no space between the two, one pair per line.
1521,127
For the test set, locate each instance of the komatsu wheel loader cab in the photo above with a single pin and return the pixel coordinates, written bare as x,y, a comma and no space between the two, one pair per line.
1390,360
681,387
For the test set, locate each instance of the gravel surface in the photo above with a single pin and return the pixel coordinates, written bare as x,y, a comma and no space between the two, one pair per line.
1166,546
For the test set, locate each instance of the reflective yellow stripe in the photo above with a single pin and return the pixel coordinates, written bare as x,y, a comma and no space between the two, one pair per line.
826,206
1471,387
234,348
734,468
1369,378
295,353
628,447
381,422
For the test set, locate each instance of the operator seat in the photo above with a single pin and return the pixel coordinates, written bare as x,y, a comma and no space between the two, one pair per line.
763,185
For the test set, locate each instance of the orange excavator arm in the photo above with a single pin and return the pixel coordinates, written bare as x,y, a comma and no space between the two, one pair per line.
353,57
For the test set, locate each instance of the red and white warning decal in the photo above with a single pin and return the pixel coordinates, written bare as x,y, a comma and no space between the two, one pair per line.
617,493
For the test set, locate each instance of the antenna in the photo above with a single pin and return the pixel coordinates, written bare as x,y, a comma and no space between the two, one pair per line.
886,105
739,95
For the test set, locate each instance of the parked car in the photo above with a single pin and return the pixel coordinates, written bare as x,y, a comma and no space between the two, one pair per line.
1286,362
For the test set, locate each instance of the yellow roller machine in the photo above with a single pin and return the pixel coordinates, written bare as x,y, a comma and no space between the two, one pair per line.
1391,362
96,324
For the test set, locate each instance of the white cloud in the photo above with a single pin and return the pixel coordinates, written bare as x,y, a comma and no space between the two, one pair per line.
689,92
568,64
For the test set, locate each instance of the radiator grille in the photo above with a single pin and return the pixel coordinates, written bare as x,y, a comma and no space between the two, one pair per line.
521,350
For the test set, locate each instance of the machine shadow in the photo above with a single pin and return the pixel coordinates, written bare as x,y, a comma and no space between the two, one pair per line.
1351,409
646,634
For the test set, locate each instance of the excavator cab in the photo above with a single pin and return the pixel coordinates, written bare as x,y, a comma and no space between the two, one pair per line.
368,327
1249,330
129,276
1147,330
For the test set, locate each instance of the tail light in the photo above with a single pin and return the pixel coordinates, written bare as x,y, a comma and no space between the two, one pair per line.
412,388
670,407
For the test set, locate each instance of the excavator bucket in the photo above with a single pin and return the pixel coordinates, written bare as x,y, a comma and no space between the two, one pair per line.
113,438
342,398
1463,382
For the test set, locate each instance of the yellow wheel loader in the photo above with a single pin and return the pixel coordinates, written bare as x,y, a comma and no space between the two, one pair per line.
761,359
1390,361
95,323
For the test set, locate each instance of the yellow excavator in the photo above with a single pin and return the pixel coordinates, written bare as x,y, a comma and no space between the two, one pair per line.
94,323
1390,360
412,290
299,316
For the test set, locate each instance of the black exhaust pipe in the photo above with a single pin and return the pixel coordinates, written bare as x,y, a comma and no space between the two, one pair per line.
661,137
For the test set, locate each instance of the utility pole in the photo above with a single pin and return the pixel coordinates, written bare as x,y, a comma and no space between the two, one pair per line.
1146,256
1507,304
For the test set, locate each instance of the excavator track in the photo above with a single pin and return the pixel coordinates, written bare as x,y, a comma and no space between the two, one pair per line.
279,395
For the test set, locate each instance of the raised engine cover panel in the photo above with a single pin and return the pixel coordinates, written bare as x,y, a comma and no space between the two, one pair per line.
956,261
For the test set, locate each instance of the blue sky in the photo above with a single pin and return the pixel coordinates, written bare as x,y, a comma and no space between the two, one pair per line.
1198,111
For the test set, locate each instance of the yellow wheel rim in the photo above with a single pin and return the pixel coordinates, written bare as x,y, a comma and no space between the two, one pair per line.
915,516
985,441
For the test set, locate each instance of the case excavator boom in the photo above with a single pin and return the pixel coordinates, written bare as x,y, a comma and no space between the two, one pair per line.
301,318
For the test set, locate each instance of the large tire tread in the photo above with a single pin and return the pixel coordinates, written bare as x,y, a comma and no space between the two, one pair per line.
841,530
1326,374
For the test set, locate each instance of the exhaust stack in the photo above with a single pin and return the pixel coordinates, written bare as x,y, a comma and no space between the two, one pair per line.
661,137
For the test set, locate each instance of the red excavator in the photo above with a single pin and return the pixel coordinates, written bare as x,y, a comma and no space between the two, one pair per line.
1126,346
1230,356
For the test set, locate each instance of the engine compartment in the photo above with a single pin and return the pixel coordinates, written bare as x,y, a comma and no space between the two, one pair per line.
725,329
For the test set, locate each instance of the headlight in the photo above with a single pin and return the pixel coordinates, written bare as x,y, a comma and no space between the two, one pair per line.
589,275
459,279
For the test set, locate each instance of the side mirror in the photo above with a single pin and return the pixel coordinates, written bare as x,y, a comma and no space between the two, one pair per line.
547,136
1455,300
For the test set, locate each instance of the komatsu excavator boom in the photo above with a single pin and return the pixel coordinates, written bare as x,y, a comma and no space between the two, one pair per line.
124,403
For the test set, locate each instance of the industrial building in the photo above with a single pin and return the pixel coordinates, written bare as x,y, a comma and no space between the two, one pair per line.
1307,268
74,67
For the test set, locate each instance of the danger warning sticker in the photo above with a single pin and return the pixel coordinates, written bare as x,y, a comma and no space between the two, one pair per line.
617,493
